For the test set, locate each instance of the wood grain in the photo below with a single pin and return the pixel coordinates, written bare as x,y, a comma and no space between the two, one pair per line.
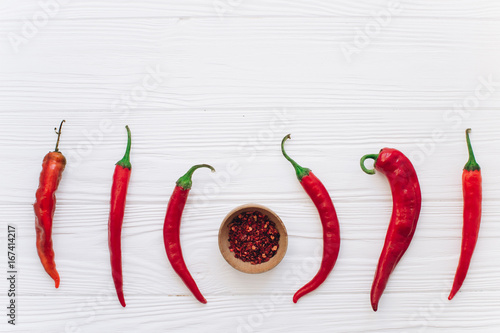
328,142
269,62
230,87
108,9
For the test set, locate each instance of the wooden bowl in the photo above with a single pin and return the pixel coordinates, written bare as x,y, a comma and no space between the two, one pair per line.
247,267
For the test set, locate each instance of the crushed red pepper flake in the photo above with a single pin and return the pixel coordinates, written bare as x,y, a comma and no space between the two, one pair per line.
253,237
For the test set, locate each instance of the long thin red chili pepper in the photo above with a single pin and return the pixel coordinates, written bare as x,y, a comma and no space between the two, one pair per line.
473,195
171,230
407,200
331,231
45,205
121,178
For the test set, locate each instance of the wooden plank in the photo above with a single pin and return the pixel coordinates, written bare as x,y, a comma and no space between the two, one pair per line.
107,9
269,313
231,85
288,62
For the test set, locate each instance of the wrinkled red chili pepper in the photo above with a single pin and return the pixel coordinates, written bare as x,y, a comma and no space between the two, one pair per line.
45,205
119,188
171,230
472,192
331,231
407,200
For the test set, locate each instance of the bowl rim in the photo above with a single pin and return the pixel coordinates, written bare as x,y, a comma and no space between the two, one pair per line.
247,267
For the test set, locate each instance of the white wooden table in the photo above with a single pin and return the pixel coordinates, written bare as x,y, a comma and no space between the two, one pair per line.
221,82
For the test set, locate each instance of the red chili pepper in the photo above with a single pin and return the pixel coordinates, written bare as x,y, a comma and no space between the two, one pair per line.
407,200
121,178
171,230
472,192
45,205
331,231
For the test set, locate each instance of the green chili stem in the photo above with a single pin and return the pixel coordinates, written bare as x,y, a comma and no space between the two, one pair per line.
125,161
300,171
185,181
471,164
362,163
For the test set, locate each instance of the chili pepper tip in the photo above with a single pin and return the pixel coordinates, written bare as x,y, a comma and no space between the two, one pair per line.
55,276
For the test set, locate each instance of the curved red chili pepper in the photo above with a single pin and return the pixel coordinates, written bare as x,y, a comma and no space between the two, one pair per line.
331,230
45,205
171,230
473,195
407,200
119,188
